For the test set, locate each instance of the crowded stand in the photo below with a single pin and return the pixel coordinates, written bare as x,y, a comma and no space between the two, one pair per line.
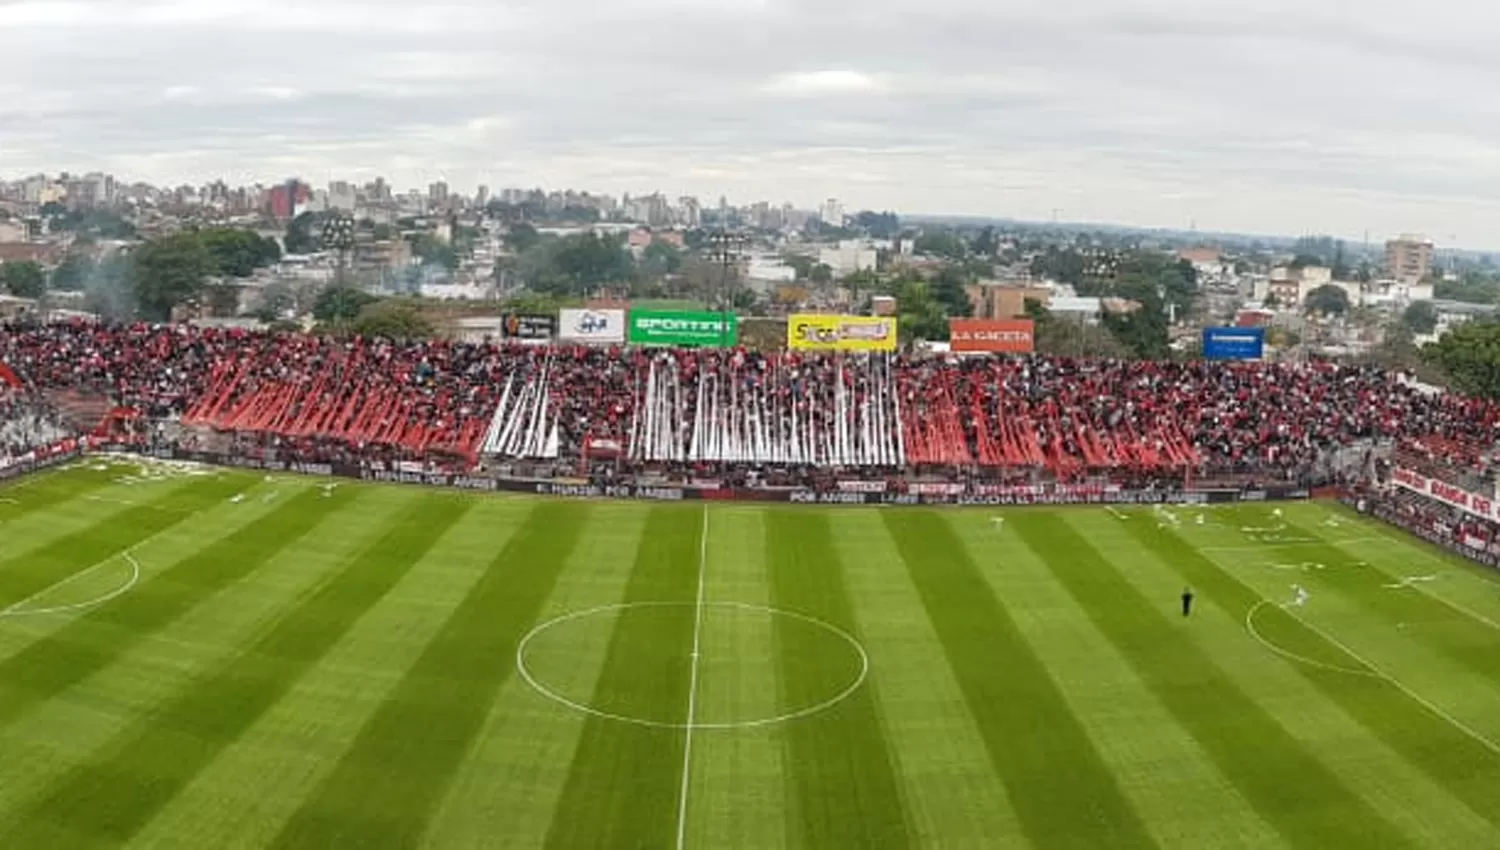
28,423
714,410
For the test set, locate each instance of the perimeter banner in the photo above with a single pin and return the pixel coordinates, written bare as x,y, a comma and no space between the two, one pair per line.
999,336
531,328
682,327
816,332
599,327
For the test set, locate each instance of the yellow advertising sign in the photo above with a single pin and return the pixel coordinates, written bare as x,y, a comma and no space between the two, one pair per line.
815,332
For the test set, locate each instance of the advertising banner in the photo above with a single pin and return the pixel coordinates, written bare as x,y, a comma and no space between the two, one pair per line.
1234,343
814,332
593,327
681,327
528,328
1000,336
1454,497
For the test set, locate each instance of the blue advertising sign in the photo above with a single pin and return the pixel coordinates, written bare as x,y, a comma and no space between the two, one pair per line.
1233,343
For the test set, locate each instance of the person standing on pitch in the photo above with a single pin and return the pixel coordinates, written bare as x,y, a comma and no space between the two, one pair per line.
1187,601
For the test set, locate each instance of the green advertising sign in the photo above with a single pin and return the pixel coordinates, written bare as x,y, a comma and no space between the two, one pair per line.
675,327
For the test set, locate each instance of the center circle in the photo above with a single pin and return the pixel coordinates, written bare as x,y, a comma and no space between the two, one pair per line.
553,659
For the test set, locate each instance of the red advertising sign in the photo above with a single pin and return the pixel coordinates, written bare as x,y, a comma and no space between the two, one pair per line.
1004,336
1471,503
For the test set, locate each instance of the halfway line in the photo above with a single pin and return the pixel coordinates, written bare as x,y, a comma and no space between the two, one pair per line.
692,712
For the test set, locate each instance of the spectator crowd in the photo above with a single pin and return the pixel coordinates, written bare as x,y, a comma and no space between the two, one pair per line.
729,407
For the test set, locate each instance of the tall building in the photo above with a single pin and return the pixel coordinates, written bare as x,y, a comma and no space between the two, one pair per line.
437,195
832,213
341,196
284,201
482,196
1408,258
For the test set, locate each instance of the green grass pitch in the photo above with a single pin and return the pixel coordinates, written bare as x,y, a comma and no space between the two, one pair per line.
195,658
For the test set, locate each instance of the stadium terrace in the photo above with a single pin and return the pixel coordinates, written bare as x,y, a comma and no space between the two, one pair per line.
459,405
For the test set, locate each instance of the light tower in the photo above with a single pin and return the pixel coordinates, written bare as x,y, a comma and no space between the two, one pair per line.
338,236
724,248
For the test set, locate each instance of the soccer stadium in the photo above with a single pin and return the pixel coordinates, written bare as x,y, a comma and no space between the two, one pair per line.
283,590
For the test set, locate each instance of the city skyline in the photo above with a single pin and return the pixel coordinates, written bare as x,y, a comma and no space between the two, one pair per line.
1258,118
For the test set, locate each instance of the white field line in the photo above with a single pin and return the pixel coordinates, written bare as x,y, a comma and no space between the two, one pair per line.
1374,671
1377,672
692,711
1260,547
1385,537
19,609
1288,654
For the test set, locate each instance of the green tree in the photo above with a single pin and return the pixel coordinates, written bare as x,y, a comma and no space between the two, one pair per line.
72,273
1421,317
338,304
821,273
392,319
169,272
238,253
941,243
301,234
985,242
948,289
1064,265
921,316
428,249
521,236
24,279
1470,356
1328,300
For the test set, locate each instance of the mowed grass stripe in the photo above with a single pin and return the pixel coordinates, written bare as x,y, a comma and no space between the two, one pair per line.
1451,633
32,572
844,784
107,799
385,788
1454,761
623,783
50,489
1294,792
102,635
1058,784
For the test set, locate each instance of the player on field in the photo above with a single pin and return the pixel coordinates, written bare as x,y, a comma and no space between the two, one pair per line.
1187,601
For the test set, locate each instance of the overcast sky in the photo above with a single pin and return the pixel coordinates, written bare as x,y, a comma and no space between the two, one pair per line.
1273,116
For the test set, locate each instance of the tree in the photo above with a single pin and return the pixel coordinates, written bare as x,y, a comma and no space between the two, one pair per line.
941,243
72,273
948,290
1328,300
1421,317
429,250
821,273
985,242
392,319
238,253
23,279
300,238
921,315
1064,265
1470,356
338,304
521,236
169,272
880,225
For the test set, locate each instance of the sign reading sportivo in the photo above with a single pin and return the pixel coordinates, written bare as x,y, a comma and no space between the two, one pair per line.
674,327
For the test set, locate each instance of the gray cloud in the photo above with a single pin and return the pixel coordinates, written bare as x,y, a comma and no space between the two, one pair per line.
1271,116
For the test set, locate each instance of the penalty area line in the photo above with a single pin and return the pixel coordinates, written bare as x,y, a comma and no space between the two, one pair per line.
1396,683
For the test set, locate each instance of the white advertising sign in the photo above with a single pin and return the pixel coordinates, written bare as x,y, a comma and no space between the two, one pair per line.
595,327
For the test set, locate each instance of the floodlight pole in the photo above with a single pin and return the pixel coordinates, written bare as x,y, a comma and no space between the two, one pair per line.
724,249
